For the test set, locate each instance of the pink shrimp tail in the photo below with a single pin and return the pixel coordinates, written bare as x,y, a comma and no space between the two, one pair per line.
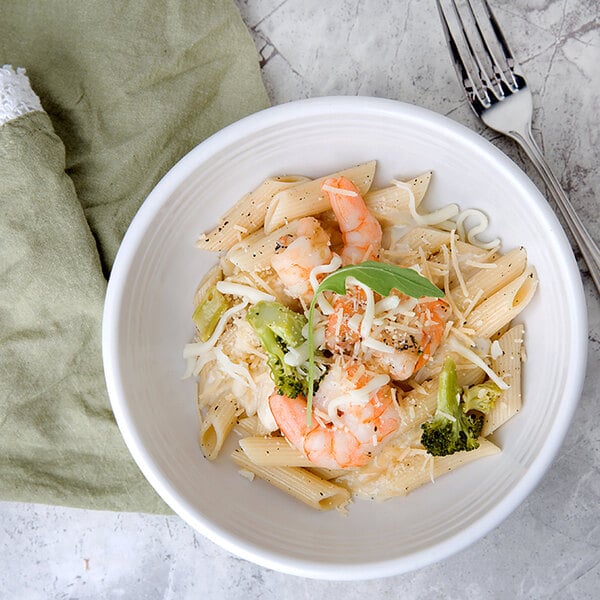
361,231
290,416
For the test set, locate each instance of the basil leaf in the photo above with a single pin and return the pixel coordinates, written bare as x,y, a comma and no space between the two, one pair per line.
381,278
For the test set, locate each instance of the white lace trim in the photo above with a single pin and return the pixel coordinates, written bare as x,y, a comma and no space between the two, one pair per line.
16,96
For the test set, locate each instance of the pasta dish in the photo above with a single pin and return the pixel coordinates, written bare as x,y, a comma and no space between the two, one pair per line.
358,345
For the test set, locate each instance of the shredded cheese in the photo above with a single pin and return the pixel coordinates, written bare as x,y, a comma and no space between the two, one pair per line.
338,191
359,396
473,232
234,370
386,304
477,361
245,291
454,256
374,344
369,315
333,265
433,218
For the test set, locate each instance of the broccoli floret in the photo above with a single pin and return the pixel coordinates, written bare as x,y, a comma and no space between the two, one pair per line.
279,329
451,429
480,398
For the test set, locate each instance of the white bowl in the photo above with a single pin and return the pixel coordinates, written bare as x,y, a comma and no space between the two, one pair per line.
147,322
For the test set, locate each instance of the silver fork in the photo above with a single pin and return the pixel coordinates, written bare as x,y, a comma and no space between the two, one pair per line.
497,91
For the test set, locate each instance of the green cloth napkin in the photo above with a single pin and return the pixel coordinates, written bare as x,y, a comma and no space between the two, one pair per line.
129,88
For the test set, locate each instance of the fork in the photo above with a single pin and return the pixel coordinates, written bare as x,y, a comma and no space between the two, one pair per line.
498,94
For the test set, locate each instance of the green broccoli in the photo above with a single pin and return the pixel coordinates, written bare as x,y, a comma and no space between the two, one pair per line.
451,429
279,329
208,312
480,398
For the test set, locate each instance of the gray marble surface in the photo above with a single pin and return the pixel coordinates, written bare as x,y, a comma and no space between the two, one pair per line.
550,546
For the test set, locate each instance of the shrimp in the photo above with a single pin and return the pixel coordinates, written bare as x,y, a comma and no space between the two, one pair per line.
342,333
296,256
361,231
413,350
346,428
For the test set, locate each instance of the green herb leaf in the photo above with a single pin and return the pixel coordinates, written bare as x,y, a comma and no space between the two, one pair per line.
381,278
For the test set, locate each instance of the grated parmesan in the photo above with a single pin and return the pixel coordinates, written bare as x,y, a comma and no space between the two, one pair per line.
359,396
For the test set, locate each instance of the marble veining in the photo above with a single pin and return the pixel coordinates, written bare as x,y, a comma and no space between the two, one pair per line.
550,546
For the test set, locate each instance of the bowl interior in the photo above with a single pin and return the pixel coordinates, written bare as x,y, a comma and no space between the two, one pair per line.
147,322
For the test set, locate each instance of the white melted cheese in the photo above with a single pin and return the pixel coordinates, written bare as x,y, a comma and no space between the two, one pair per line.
333,265
472,233
369,314
477,361
245,291
378,346
359,396
433,218
339,191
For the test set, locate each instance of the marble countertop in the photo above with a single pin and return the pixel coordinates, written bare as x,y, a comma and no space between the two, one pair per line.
550,546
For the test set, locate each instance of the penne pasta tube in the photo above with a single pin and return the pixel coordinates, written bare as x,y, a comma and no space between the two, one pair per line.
254,253
246,215
219,420
399,470
488,281
273,452
298,483
327,474
508,366
425,239
502,307
416,477
307,199
249,426
390,204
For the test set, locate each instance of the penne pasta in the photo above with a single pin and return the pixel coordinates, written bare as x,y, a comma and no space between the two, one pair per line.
327,474
488,281
425,239
250,426
508,366
297,482
254,253
399,470
307,199
503,306
247,215
273,452
390,204
217,424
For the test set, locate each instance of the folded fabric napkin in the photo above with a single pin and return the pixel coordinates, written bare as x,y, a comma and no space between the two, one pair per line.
127,89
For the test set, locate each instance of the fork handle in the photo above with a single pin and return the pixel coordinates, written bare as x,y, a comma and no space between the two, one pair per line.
589,249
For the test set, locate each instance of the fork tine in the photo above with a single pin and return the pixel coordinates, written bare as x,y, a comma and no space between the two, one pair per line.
472,33
496,45
467,69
